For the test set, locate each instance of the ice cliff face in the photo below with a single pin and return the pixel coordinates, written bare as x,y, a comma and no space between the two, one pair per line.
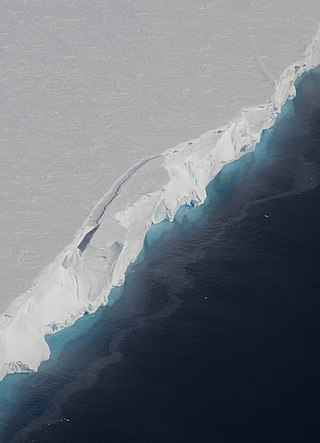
82,276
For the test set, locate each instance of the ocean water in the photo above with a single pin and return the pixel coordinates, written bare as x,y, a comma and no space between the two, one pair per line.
215,335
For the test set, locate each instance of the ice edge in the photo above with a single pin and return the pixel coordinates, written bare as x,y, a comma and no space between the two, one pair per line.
80,279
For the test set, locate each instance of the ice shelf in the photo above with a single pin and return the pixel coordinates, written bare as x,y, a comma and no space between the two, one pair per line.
81,277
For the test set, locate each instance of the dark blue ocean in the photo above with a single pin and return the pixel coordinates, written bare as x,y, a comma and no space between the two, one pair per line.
215,336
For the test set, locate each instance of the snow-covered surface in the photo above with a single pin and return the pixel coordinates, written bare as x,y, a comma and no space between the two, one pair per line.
94,91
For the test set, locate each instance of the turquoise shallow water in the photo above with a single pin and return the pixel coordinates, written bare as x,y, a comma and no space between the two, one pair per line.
214,335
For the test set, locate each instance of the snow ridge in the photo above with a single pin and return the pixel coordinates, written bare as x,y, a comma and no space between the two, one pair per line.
80,279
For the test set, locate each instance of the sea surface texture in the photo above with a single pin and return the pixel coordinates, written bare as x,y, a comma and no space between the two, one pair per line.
215,335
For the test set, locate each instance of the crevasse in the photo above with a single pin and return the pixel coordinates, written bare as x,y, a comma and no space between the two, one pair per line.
80,279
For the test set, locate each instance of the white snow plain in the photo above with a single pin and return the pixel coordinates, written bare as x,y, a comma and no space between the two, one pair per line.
94,91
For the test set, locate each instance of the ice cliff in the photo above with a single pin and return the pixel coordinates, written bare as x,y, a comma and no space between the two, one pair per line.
82,276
